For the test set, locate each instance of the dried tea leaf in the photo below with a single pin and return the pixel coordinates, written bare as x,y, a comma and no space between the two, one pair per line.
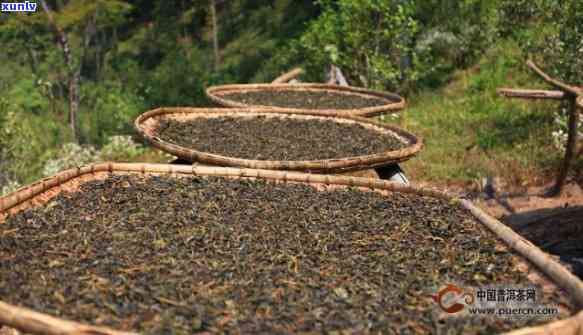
185,255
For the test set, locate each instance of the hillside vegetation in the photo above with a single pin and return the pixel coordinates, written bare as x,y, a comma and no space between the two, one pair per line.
447,57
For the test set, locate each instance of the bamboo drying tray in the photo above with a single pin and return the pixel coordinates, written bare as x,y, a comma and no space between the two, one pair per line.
146,126
36,194
394,103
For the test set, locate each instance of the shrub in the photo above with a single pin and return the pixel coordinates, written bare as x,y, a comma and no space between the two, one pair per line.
113,110
396,45
120,148
71,155
560,134
369,40
9,187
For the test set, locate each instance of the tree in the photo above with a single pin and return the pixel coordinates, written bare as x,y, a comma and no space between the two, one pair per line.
562,49
23,33
558,45
549,31
367,39
83,16
215,28
72,72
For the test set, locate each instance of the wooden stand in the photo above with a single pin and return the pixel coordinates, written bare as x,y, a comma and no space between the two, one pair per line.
565,92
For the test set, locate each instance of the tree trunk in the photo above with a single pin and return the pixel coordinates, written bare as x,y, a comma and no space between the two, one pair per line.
74,104
73,74
33,60
571,146
213,10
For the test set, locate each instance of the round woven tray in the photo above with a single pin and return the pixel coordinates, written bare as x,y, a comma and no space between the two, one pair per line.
147,123
394,102
39,193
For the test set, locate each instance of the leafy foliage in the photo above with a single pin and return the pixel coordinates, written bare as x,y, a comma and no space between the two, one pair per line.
453,35
398,45
562,50
550,31
113,113
136,55
370,40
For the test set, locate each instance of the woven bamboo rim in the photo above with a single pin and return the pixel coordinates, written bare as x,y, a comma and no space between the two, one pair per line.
394,102
146,125
42,191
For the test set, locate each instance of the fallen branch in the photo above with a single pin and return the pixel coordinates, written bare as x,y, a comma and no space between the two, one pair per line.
284,78
556,83
530,94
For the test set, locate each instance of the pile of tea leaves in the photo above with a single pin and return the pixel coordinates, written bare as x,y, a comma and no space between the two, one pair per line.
276,138
304,99
193,254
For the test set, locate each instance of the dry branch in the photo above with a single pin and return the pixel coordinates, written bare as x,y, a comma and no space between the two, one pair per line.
530,94
556,83
574,96
286,77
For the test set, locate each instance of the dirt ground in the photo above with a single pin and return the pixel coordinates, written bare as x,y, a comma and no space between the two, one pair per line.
554,224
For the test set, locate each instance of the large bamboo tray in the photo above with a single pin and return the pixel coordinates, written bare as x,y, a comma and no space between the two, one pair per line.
394,103
36,194
146,125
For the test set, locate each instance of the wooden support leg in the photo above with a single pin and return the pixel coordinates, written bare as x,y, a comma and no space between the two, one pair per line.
570,150
392,173
180,161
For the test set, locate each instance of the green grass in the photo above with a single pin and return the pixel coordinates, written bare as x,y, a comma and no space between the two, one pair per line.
470,132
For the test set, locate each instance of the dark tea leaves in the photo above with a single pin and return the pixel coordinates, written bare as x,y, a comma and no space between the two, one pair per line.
186,255
304,99
274,138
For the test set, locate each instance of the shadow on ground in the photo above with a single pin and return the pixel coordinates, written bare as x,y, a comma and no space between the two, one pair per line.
558,231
